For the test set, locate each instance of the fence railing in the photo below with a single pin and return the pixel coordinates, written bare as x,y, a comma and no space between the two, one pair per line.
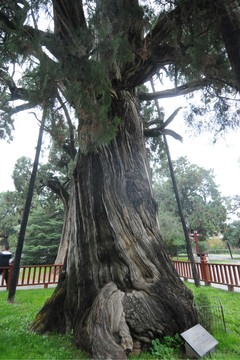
223,274
210,273
32,275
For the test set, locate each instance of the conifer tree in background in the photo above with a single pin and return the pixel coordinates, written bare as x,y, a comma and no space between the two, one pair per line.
84,63
42,237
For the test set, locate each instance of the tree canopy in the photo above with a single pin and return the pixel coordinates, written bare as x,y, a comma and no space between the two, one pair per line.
112,45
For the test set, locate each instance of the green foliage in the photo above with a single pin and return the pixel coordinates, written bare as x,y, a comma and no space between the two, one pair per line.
228,347
43,236
205,315
172,233
21,175
232,233
167,347
9,215
201,201
215,244
93,56
44,228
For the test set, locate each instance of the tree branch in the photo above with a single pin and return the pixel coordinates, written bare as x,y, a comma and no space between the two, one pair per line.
70,149
178,91
55,185
153,122
15,92
22,107
69,19
155,132
171,118
156,51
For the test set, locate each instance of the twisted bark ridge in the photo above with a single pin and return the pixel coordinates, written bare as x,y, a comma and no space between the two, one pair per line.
118,289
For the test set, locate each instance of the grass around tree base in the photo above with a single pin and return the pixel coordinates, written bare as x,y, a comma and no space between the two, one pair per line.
229,342
16,342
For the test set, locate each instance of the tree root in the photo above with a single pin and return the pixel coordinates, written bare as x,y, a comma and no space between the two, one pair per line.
117,321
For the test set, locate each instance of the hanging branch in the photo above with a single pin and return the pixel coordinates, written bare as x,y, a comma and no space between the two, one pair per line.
21,236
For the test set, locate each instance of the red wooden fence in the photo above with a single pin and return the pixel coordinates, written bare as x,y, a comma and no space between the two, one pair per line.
33,275
223,274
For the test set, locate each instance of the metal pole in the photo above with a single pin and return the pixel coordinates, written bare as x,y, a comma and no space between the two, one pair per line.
16,264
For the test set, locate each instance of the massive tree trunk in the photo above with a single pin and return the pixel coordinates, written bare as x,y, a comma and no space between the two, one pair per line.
118,289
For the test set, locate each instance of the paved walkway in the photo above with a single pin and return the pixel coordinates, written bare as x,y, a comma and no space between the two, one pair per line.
216,257
31,287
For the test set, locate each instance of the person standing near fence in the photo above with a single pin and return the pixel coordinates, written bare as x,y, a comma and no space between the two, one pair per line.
5,260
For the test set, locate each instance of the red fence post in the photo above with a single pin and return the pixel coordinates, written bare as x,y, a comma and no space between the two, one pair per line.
205,270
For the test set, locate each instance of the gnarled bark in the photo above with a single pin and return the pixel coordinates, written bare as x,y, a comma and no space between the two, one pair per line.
118,286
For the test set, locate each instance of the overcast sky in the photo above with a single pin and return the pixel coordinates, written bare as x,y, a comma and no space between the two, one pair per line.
24,144
223,156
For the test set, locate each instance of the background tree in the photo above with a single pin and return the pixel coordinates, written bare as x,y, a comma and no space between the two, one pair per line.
43,236
216,244
12,202
118,287
232,233
9,217
172,232
202,203
21,175
43,233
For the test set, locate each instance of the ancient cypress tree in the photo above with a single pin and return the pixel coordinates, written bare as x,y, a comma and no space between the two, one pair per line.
118,289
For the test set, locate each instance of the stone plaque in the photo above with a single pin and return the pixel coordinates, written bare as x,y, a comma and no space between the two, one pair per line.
198,342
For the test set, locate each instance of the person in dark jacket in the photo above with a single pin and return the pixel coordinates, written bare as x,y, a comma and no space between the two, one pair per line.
5,260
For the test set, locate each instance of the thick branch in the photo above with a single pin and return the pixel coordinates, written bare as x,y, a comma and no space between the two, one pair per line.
156,51
178,91
69,19
55,185
153,122
144,68
68,16
153,132
158,131
22,107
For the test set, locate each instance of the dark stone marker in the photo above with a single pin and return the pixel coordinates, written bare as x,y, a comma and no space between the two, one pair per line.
198,342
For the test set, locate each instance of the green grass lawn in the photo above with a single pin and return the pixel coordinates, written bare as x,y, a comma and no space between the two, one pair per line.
16,342
229,343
